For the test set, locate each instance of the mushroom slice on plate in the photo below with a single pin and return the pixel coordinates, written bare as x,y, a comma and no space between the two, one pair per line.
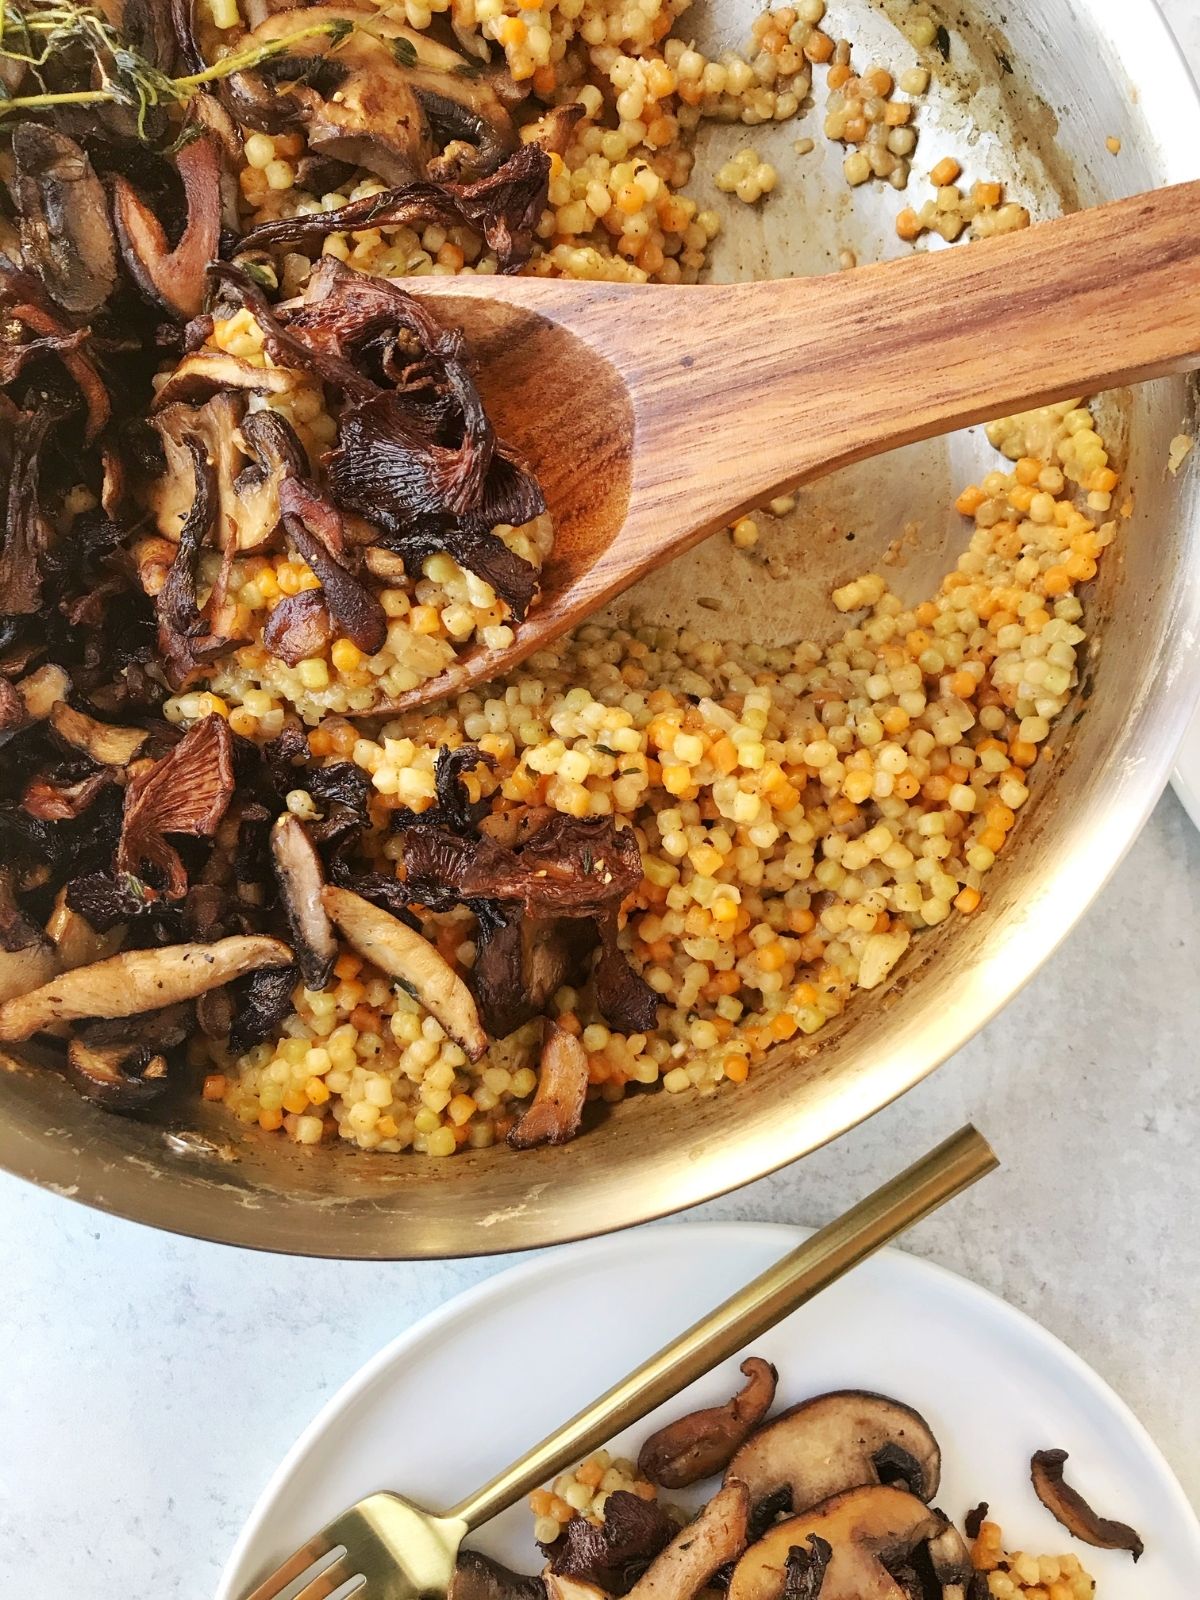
703,1442
717,1535
868,1530
104,742
412,962
1073,1511
139,980
301,879
478,1577
557,1107
839,1441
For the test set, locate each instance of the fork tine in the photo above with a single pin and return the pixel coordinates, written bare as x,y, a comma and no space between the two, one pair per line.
337,1582
292,1576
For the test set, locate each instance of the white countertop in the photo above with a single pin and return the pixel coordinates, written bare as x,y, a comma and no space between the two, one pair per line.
150,1384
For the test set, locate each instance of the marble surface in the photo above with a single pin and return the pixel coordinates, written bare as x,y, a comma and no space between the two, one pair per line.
152,1383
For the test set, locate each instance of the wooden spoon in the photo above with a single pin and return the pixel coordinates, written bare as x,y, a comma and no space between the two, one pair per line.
655,415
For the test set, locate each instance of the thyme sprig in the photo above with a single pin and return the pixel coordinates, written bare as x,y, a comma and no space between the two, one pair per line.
44,30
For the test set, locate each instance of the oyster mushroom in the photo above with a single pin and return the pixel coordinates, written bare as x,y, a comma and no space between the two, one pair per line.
868,1530
717,1535
65,230
1073,1511
412,962
174,277
477,1577
139,980
839,1441
301,879
704,1442
557,1108
187,791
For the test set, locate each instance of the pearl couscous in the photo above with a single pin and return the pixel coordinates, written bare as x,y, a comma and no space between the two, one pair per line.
802,813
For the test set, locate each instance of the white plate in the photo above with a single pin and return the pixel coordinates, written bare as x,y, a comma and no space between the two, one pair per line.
1185,780
455,1398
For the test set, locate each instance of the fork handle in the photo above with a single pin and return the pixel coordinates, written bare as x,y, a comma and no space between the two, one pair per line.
802,1273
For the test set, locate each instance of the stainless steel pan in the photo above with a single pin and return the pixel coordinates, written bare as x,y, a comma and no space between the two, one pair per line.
1030,93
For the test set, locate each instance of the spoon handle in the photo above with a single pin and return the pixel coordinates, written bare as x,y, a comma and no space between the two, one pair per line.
792,379
802,1273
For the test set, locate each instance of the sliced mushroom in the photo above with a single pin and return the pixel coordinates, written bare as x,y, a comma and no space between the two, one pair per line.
76,942
104,742
245,513
119,1077
23,970
301,879
139,980
412,961
174,277
839,1441
42,690
477,1577
1073,1511
951,1560
204,373
13,715
65,231
169,497
372,102
868,1530
299,627
562,1586
27,958
716,1536
557,1108
276,454
704,1442
357,107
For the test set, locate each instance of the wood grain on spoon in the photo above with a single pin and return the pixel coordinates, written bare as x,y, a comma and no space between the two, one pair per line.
655,415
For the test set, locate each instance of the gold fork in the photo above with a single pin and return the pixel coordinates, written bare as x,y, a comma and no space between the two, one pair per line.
387,1548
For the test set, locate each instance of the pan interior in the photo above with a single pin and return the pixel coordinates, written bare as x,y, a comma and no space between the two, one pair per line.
1010,103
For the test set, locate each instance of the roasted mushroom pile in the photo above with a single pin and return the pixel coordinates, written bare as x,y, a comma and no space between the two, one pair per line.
830,1499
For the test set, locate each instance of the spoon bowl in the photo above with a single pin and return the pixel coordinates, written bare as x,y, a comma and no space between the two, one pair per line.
654,415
